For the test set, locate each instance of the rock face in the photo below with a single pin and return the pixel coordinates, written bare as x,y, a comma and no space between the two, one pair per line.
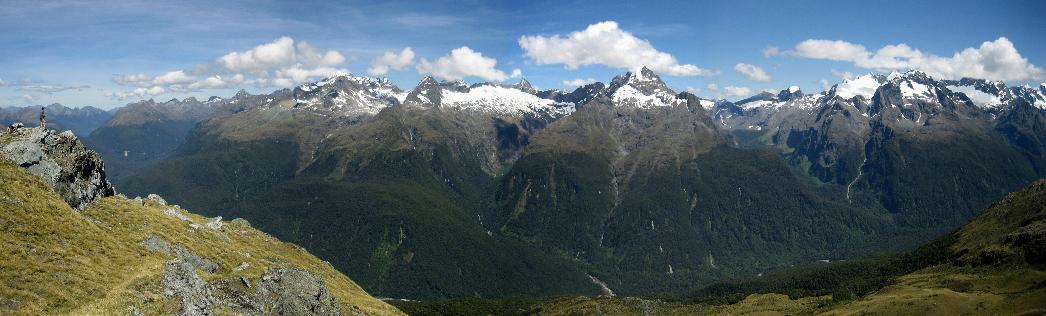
72,170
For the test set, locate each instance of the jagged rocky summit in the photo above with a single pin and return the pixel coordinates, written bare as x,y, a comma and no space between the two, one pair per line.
65,164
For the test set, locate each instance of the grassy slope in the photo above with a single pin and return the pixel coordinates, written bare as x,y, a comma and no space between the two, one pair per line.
58,261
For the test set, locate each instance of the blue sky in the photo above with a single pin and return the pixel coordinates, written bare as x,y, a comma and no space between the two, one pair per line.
72,52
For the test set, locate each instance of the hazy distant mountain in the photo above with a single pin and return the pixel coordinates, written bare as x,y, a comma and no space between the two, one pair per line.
81,120
143,132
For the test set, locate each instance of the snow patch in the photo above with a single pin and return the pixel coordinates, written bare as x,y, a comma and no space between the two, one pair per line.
503,100
707,104
911,89
864,86
979,98
628,95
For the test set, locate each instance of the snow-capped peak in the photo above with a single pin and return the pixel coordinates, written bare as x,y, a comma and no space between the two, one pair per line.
346,94
643,74
502,100
793,89
525,86
863,86
485,97
642,88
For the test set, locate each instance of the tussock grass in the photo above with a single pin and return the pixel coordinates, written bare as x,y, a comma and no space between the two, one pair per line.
54,260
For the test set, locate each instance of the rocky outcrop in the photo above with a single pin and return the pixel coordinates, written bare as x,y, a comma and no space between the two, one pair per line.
72,170
295,292
280,291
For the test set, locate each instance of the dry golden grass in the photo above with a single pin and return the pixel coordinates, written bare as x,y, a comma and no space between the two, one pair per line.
54,260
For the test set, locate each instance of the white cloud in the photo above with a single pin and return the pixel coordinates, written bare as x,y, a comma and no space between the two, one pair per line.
173,78
830,50
217,82
752,72
605,44
261,58
284,57
736,92
579,82
29,98
138,92
712,86
824,84
280,63
132,80
309,56
844,74
460,63
693,89
994,60
391,60
516,73
299,74
47,88
771,51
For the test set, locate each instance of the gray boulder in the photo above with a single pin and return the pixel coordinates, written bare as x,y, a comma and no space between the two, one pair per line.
295,292
76,173
181,282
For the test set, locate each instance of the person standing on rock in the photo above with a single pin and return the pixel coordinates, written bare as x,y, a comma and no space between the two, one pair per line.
43,118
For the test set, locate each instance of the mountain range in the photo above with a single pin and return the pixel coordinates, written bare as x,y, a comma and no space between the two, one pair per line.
451,190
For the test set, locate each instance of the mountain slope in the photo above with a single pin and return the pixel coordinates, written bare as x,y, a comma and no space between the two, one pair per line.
404,183
641,188
932,152
993,265
143,132
143,256
626,184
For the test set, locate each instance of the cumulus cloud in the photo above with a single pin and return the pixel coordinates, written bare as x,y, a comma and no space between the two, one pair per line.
752,72
605,44
737,92
262,57
516,73
391,60
217,82
579,82
460,63
693,89
28,98
283,52
712,86
994,60
283,62
173,78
